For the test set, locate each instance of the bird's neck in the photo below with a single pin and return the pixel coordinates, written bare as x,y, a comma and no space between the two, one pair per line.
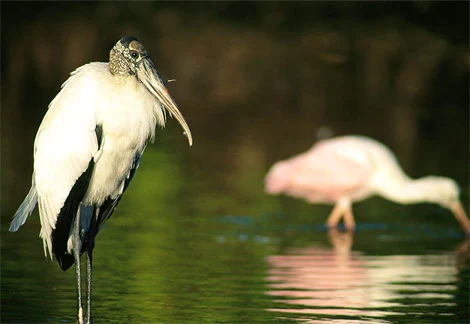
407,191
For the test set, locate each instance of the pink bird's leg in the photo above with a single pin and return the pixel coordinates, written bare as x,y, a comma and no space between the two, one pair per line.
349,218
342,208
335,215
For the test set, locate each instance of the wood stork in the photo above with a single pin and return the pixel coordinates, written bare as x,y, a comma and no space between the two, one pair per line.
346,169
88,148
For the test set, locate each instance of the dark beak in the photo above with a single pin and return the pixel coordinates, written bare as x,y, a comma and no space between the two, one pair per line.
148,75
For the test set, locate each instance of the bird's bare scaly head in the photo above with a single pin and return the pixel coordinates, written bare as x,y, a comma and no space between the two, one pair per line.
129,58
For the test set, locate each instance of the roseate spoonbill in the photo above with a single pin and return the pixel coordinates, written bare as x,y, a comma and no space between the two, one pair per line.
346,169
88,148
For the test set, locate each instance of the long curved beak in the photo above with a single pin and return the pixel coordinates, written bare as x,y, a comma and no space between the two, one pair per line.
459,213
148,75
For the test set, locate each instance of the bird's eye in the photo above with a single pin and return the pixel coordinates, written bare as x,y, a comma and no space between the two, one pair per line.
134,54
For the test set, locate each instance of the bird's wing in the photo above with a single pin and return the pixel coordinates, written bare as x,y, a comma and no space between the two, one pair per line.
61,242
325,174
107,208
65,148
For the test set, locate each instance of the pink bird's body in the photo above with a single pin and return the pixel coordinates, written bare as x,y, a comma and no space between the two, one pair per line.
346,169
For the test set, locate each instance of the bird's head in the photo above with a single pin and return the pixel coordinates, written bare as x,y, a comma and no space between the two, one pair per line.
278,178
445,192
129,58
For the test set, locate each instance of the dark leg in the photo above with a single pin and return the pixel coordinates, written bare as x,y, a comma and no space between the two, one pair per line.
88,281
76,248
89,263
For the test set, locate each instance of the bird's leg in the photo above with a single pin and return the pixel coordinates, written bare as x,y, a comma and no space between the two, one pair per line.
88,284
76,248
342,209
89,263
349,218
335,215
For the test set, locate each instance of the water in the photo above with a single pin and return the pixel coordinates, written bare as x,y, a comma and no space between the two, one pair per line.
233,269
195,238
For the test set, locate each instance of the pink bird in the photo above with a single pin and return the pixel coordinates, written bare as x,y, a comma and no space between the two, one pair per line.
346,169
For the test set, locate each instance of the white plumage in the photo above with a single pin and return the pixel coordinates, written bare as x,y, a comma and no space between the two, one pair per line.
66,140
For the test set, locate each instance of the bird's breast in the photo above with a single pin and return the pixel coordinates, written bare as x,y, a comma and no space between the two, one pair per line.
128,121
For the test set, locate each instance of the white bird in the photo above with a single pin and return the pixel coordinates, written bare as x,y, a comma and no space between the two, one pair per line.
346,169
88,148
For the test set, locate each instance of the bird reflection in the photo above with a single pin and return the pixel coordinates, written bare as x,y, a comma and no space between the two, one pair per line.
320,277
338,281
341,241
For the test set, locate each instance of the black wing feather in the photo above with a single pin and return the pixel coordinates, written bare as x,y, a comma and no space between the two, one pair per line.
60,234
67,214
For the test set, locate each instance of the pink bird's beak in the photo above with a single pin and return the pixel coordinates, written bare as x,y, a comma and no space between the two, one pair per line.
461,216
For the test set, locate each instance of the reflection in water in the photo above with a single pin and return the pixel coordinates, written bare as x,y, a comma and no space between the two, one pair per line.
340,283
